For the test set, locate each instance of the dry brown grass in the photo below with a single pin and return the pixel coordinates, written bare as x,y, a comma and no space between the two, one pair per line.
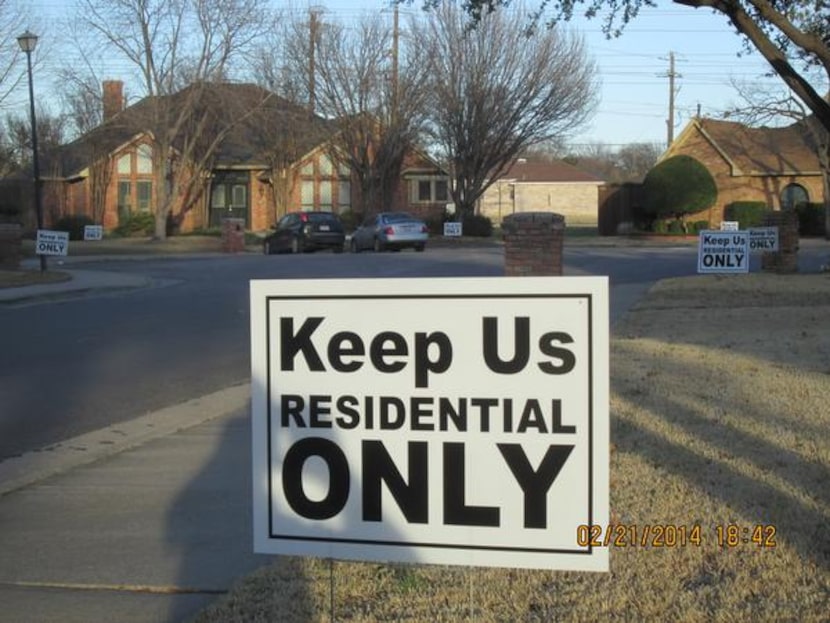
720,414
16,278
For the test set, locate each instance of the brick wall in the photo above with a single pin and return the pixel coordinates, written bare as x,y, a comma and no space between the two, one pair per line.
533,244
578,202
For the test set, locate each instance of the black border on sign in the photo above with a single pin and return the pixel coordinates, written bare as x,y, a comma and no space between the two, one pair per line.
409,544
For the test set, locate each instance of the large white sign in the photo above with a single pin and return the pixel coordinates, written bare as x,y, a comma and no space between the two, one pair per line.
723,252
50,242
449,421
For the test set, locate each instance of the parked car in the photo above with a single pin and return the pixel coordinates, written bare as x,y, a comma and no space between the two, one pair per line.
390,230
298,232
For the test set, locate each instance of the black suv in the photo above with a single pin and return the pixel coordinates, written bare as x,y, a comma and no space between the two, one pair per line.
298,232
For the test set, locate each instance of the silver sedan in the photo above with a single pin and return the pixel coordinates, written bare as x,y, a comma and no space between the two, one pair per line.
390,230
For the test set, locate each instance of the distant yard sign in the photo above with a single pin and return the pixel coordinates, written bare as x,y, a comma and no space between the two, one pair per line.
50,242
446,421
93,232
729,226
763,239
723,252
452,228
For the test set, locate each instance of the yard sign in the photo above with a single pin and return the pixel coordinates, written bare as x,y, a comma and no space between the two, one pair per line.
723,252
49,242
449,421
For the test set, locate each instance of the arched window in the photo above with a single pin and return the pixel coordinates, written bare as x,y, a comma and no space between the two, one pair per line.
792,195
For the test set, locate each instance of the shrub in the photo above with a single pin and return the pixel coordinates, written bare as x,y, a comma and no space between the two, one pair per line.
676,227
677,186
137,224
660,227
74,224
477,225
810,219
698,226
9,214
747,213
351,219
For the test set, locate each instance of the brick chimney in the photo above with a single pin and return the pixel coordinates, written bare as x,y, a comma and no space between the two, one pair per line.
113,98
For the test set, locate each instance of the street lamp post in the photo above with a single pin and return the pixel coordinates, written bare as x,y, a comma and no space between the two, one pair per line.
27,42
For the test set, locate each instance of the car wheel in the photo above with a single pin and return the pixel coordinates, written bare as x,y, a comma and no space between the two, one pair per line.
353,246
296,245
378,245
419,248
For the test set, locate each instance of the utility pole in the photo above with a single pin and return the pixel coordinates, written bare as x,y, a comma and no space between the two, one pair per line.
671,75
313,25
395,38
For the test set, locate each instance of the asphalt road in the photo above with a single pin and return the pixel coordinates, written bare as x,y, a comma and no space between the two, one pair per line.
70,367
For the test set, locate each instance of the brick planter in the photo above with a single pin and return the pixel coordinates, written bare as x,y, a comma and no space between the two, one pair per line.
533,244
785,260
10,245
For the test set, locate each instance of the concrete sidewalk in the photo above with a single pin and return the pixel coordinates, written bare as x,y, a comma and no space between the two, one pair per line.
82,282
142,522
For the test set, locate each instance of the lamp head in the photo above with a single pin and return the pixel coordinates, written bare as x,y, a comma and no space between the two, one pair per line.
27,41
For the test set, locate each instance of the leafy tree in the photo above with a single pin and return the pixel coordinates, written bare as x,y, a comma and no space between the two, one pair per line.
677,186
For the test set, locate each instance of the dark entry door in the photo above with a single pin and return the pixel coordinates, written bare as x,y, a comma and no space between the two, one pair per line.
229,197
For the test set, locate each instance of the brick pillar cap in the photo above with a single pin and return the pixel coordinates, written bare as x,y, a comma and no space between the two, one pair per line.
540,220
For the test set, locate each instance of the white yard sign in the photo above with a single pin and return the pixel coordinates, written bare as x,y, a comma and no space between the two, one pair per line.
448,421
452,228
763,239
50,242
93,232
723,252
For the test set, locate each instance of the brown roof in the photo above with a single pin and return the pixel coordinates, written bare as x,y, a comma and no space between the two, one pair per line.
267,120
764,150
551,171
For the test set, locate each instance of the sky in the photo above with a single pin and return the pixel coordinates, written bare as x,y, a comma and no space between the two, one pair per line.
633,69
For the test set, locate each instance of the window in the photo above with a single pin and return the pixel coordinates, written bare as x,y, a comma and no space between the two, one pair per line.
144,192
217,198
125,164
307,198
239,196
325,165
325,195
307,168
430,190
792,195
344,194
124,197
144,159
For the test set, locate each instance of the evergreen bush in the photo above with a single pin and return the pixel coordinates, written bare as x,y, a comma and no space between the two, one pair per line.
677,186
810,219
746,213
137,224
477,225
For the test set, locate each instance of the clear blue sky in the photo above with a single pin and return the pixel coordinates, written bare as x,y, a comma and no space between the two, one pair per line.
633,68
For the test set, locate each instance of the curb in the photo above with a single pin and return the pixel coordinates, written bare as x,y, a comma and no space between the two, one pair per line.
37,465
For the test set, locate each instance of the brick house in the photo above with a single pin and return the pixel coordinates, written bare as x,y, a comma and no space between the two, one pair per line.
274,157
778,166
538,185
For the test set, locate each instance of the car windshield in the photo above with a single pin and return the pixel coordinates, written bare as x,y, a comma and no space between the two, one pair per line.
397,217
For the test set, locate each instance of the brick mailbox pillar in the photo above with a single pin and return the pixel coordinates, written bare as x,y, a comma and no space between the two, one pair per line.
785,260
233,235
533,244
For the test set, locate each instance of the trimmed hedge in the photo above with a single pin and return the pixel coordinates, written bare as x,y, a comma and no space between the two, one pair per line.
74,224
747,213
477,226
137,224
810,219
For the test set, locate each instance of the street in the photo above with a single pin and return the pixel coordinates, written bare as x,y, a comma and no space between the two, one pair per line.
78,365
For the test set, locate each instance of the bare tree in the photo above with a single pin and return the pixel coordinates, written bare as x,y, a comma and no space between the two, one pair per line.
178,49
499,89
375,95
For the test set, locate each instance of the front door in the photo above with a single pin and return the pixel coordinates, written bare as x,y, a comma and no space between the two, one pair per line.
229,197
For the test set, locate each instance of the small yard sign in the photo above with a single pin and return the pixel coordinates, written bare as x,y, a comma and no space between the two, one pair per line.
50,242
729,226
93,232
452,228
723,252
763,239
447,421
